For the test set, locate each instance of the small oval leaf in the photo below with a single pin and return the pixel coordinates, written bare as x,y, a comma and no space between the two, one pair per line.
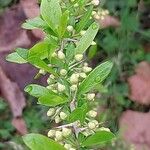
40,142
99,138
98,75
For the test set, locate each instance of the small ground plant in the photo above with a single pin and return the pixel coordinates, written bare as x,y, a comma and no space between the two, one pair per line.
70,94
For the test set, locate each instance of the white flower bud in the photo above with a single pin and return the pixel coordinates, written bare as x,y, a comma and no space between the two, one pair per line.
74,78
67,146
82,32
50,112
83,75
52,76
96,122
102,17
49,87
72,149
51,133
91,125
57,119
104,129
42,71
63,115
92,113
87,69
90,96
95,2
55,91
61,87
106,12
61,55
85,64
93,43
63,72
70,28
54,54
76,5
78,57
93,13
58,135
73,87
66,132
96,16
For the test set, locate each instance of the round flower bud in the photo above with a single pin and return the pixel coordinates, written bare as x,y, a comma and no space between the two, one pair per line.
95,2
93,13
51,133
70,28
90,96
85,64
93,43
49,87
54,54
92,113
42,71
58,135
57,119
55,91
78,57
63,115
96,122
61,55
61,87
102,18
63,72
87,69
50,112
73,87
91,125
76,5
67,146
52,76
105,129
74,78
106,12
96,16
83,75
82,32
72,149
66,132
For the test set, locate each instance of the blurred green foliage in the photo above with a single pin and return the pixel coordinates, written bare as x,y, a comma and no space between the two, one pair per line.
124,45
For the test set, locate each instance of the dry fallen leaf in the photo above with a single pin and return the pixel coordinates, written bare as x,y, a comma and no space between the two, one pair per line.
134,127
140,84
20,125
109,21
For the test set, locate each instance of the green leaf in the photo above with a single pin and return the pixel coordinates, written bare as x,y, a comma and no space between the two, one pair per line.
70,52
84,20
52,99
99,138
79,114
34,24
92,51
98,75
45,96
63,23
23,53
40,142
39,50
51,12
15,58
36,90
87,39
